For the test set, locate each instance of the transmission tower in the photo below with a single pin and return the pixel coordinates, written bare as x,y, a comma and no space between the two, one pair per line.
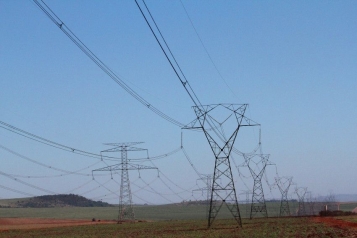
126,211
207,179
311,201
330,201
301,192
284,184
247,201
257,164
215,120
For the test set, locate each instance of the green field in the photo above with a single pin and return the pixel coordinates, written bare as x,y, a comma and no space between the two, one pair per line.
160,212
175,221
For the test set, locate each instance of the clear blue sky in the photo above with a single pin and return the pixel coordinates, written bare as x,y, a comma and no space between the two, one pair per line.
294,62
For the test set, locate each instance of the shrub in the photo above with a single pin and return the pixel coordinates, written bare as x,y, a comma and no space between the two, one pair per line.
335,213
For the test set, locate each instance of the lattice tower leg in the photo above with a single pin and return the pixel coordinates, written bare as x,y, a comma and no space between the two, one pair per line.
258,201
312,208
126,211
223,191
301,209
247,204
209,189
284,205
284,208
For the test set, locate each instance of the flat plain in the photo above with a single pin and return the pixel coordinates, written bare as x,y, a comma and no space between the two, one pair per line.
262,227
166,221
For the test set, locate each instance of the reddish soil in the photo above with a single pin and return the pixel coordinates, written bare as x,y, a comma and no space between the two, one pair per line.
35,223
334,222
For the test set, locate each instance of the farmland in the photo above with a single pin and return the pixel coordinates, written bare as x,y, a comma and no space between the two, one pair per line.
142,212
166,221
271,227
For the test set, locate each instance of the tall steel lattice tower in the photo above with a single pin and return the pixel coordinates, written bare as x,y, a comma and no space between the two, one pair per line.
216,120
126,211
284,184
301,192
257,164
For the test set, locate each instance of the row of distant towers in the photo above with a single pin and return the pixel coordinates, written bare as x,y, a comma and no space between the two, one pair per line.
221,185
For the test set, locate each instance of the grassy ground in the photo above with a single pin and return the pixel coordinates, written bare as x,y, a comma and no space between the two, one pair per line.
348,206
161,212
271,227
348,218
174,221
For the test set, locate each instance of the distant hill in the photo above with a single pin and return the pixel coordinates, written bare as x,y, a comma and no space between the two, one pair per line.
60,200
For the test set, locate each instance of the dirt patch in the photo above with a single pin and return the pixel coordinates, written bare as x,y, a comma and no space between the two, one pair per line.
36,223
333,222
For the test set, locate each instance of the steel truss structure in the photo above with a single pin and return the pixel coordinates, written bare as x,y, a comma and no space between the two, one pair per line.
126,211
207,179
311,202
301,192
284,184
257,169
215,121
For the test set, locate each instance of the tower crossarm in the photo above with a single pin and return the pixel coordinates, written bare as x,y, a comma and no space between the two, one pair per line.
120,167
128,146
203,120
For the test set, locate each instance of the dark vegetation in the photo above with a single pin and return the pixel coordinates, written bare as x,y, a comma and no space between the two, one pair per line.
60,200
335,213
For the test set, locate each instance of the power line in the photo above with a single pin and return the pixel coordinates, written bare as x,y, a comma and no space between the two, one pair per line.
161,195
178,186
60,24
140,188
157,157
42,140
92,189
177,69
191,163
185,82
201,111
145,201
160,172
17,191
102,186
27,184
66,172
204,47
80,186
57,145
